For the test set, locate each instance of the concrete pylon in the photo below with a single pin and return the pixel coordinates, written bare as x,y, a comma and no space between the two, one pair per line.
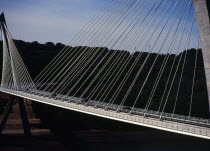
202,15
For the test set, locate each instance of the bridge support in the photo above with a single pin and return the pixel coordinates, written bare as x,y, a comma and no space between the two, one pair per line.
23,113
202,16
6,115
24,117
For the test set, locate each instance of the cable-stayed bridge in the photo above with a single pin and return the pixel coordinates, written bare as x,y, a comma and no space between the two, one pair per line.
135,61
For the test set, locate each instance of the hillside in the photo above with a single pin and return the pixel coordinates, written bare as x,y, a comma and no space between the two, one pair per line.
36,56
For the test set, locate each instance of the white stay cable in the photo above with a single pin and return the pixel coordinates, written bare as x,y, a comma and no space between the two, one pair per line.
194,75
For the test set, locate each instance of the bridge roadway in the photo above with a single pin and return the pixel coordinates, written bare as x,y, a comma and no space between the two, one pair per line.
193,127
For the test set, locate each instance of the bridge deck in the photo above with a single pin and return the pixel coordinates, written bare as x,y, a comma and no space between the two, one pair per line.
172,126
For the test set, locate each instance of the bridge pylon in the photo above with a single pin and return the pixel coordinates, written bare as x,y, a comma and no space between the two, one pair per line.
2,18
202,15
14,72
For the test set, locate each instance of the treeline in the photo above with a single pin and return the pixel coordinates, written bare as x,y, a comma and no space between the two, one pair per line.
36,56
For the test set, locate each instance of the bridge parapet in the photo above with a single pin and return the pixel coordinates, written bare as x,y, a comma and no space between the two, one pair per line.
164,124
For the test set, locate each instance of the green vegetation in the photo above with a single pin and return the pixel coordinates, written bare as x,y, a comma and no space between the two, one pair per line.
36,56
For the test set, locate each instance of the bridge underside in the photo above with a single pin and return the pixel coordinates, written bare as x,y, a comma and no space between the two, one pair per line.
175,125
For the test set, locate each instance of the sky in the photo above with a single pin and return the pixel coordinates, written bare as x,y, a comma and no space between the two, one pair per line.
48,20
60,21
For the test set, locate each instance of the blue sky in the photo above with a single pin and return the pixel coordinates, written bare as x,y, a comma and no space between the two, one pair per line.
61,20
48,20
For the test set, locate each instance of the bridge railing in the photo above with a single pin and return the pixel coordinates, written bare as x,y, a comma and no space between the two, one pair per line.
125,109
177,125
